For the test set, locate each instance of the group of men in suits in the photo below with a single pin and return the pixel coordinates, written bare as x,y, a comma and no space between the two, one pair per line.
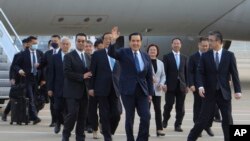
212,80
115,71
214,71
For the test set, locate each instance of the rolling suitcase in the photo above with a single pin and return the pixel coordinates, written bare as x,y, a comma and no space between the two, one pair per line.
20,111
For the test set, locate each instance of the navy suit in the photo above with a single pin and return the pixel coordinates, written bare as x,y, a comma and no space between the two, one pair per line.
135,87
104,82
55,84
12,72
56,79
46,64
12,75
193,63
217,90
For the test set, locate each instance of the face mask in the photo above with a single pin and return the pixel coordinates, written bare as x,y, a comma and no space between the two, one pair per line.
34,47
54,45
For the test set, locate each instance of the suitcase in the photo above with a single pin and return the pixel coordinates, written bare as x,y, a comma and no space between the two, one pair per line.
20,111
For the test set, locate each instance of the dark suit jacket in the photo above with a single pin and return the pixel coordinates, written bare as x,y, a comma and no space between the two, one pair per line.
173,73
12,72
74,84
208,75
103,78
193,63
129,77
55,78
46,63
24,63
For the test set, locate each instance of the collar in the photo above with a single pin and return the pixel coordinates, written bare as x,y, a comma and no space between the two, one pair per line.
176,53
200,52
31,51
138,51
57,49
219,51
63,52
79,52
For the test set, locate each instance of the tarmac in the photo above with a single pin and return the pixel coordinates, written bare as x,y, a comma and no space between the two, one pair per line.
42,131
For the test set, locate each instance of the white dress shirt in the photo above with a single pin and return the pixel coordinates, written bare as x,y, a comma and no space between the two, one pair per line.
79,53
33,62
110,59
57,50
177,56
219,53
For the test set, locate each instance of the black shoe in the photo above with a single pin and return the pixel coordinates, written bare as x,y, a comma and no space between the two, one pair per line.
178,129
57,128
65,139
4,117
90,130
160,133
36,121
164,124
80,138
53,124
209,132
217,120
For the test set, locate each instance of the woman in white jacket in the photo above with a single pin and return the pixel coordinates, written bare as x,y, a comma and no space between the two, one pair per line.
159,79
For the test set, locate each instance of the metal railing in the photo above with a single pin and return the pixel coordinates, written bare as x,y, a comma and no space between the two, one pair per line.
10,44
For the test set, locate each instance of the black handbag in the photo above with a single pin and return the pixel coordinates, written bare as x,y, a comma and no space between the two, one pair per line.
40,97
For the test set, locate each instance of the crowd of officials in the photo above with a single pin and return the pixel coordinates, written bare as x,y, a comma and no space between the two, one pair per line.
87,86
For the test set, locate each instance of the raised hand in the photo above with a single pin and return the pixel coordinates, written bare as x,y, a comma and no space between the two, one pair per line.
115,33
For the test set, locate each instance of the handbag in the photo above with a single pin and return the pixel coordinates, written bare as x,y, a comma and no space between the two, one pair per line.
40,97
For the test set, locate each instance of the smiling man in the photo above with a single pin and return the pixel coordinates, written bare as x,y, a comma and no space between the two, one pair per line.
136,83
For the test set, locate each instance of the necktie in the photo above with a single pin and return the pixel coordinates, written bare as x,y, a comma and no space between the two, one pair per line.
34,63
83,60
177,61
217,62
63,56
137,64
112,62
54,51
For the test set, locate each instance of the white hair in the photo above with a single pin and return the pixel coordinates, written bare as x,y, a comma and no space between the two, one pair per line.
65,39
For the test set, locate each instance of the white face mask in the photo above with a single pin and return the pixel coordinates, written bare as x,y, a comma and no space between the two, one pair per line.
34,47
